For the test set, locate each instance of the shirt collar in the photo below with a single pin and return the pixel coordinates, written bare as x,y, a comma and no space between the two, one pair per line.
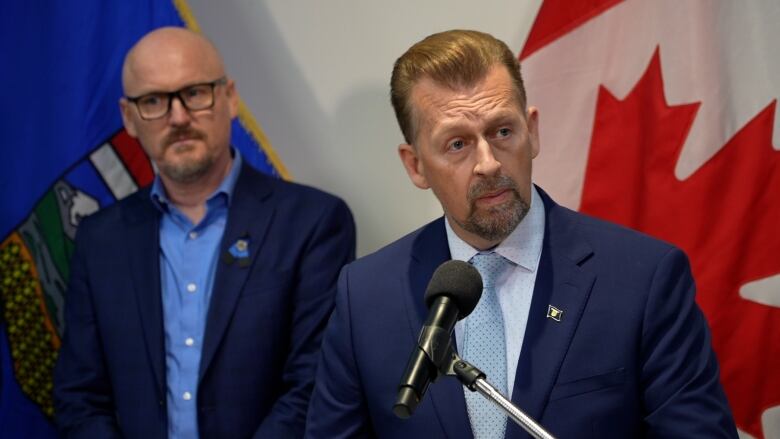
522,247
225,188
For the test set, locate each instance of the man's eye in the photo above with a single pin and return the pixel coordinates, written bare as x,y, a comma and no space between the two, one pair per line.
457,144
194,92
150,100
504,132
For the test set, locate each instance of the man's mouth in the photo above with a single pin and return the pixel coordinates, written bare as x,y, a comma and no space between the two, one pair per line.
494,197
181,140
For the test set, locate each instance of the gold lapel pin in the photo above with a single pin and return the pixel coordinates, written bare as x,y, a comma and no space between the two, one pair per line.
554,313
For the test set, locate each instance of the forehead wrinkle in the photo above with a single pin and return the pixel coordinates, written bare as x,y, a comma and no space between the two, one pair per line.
473,107
486,106
430,101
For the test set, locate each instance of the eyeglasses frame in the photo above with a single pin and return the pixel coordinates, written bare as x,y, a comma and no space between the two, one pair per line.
177,94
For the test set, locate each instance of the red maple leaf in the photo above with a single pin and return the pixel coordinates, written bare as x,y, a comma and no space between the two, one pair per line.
725,216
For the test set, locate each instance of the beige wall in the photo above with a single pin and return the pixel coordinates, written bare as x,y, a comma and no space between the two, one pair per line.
315,75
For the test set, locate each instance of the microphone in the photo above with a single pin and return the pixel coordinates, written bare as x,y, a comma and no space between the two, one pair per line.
452,293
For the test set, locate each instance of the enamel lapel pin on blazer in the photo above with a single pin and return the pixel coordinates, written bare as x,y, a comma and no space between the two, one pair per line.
554,313
238,252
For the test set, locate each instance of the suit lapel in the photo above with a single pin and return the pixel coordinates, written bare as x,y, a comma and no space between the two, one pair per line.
249,216
430,250
143,221
562,283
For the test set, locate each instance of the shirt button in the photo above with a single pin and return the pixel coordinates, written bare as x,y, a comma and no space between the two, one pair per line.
189,341
186,396
191,287
193,235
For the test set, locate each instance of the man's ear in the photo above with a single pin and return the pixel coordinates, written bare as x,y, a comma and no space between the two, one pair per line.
232,95
413,165
532,119
127,118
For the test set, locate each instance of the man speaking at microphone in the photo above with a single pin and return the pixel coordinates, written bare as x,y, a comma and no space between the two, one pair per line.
588,327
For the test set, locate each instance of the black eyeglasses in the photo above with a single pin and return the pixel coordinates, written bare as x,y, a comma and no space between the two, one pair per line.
194,97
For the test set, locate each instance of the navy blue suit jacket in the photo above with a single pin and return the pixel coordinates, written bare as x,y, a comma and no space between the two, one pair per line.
264,323
631,356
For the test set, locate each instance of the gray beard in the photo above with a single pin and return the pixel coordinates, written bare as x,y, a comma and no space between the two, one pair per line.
497,222
188,172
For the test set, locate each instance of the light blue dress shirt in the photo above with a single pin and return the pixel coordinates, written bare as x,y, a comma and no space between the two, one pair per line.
515,287
188,260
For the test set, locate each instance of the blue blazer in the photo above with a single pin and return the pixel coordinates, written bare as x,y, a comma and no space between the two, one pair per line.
264,322
631,356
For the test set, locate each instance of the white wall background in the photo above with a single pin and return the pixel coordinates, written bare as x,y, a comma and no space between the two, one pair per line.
316,77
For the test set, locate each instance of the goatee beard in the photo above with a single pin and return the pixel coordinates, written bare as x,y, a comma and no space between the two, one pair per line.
189,170
496,222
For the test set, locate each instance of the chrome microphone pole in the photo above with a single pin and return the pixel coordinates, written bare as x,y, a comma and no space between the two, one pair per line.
474,380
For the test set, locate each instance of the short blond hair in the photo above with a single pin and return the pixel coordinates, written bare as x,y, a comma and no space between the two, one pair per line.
455,58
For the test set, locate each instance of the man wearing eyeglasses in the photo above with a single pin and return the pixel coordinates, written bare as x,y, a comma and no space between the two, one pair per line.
195,307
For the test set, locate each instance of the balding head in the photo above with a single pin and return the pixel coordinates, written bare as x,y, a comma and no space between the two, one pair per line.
171,52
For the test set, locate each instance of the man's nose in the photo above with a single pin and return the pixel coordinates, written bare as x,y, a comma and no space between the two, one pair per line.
179,114
486,160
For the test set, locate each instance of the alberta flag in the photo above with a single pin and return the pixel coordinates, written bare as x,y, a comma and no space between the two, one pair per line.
65,156
662,116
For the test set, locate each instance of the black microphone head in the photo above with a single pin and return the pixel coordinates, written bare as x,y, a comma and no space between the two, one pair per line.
459,281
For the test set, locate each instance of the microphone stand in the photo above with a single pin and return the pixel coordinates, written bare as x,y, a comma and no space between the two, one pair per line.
474,380
441,359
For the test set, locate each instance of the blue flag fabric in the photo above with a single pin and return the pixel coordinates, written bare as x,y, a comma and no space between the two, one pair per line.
66,155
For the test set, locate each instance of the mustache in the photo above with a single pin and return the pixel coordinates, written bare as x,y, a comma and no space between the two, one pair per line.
182,133
487,186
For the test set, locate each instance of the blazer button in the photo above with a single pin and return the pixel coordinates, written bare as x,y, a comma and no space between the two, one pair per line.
161,402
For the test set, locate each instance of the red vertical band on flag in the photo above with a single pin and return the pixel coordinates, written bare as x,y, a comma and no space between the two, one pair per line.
134,158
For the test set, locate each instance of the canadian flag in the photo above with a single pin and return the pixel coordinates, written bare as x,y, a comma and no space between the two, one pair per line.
662,115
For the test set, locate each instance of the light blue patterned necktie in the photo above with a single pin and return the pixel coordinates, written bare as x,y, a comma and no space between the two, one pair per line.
485,347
